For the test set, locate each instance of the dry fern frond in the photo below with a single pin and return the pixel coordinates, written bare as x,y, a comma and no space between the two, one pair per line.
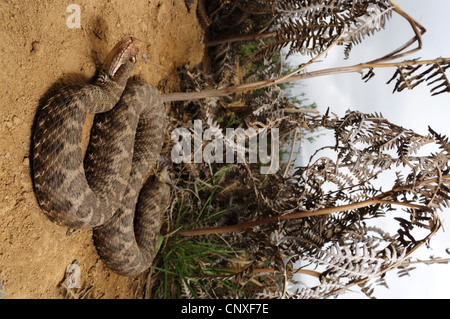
374,20
354,262
307,37
307,9
434,75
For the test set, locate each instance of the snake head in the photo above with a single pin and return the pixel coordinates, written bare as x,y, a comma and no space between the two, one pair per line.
120,61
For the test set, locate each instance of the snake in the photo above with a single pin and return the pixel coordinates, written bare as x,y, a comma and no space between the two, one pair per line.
109,188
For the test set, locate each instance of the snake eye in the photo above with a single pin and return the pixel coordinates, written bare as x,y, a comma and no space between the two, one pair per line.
132,59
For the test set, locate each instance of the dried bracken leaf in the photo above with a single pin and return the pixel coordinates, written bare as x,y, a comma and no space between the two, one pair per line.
434,75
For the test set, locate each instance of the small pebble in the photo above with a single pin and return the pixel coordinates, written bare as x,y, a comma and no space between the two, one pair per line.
36,48
16,120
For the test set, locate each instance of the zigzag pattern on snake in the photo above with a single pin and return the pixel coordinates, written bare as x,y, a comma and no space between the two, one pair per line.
103,190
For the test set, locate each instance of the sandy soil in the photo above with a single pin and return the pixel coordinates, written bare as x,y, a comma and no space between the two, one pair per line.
37,49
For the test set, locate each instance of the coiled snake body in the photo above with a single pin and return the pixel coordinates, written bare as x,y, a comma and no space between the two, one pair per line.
102,192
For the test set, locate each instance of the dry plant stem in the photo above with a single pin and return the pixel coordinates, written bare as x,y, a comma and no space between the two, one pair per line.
272,271
439,180
430,261
296,215
289,110
362,66
358,68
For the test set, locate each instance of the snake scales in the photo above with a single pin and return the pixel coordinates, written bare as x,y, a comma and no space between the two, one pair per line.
103,191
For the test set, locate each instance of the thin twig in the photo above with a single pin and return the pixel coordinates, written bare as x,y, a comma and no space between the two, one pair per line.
291,153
